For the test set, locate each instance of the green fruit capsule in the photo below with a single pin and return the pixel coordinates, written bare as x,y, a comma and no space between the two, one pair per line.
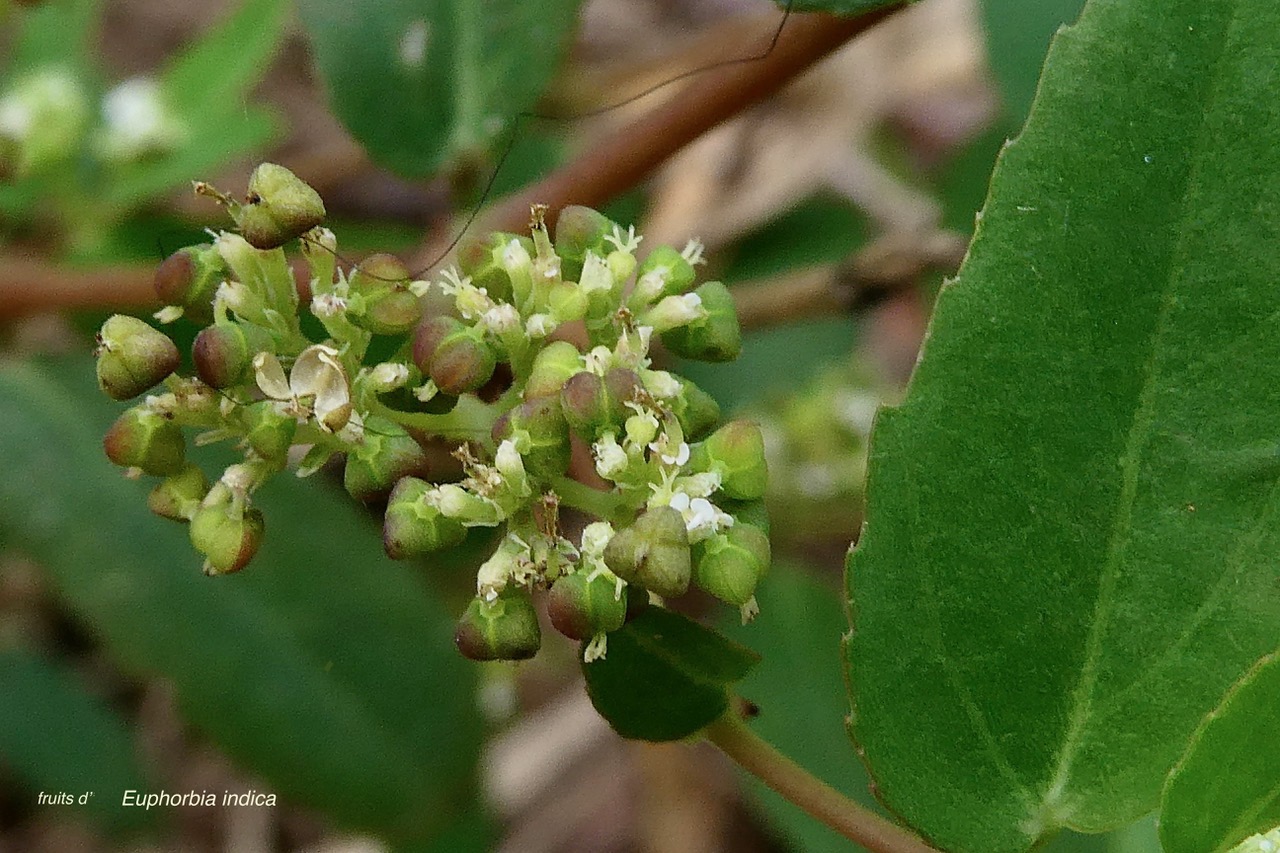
269,431
225,532
580,230
223,353
653,552
456,357
594,405
552,367
729,565
133,357
580,608
140,438
178,496
190,278
412,527
542,421
279,206
503,629
696,410
384,455
716,337
664,272
736,450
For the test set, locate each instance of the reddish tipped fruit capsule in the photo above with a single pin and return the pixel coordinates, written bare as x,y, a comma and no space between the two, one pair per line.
503,629
140,438
653,552
278,207
133,357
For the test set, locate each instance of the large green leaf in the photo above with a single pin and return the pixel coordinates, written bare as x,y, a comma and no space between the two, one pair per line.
1071,524
1227,787
322,667
59,739
420,82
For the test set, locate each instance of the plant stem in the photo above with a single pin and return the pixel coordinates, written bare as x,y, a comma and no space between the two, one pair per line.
470,419
802,788
609,506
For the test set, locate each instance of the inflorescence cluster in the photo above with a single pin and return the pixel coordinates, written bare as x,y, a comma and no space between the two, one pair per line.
484,356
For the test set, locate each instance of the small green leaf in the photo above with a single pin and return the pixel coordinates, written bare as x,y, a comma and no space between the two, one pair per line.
216,72
58,738
322,667
422,82
1227,786
1069,545
665,676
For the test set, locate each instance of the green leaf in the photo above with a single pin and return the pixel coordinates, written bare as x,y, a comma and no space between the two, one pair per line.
1071,522
58,738
422,82
799,690
665,676
322,667
1227,786
216,72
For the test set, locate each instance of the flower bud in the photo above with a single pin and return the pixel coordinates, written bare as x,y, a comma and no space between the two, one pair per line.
223,353
269,430
696,410
279,206
552,367
653,552
503,629
140,438
665,272
715,337
413,527
542,421
386,454
225,531
456,357
567,302
580,608
178,496
594,405
730,564
736,450
190,277
133,357
580,230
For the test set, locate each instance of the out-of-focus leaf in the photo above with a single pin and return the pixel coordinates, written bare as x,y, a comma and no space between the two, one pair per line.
215,73
1227,786
322,667
665,676
799,689
59,739
420,83
56,33
1070,537
1018,36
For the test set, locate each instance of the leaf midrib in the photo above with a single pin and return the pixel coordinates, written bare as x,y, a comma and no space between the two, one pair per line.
1139,435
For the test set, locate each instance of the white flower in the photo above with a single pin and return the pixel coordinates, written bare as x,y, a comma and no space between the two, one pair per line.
625,243
511,465
702,518
328,305
515,257
677,456
599,360
388,376
632,350
660,384
642,427
675,311
692,252
501,319
611,459
317,375
137,120
540,325
650,285
595,274
426,392
700,485
597,648
497,571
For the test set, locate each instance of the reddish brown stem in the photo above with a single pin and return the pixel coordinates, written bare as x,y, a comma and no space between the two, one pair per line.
619,161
